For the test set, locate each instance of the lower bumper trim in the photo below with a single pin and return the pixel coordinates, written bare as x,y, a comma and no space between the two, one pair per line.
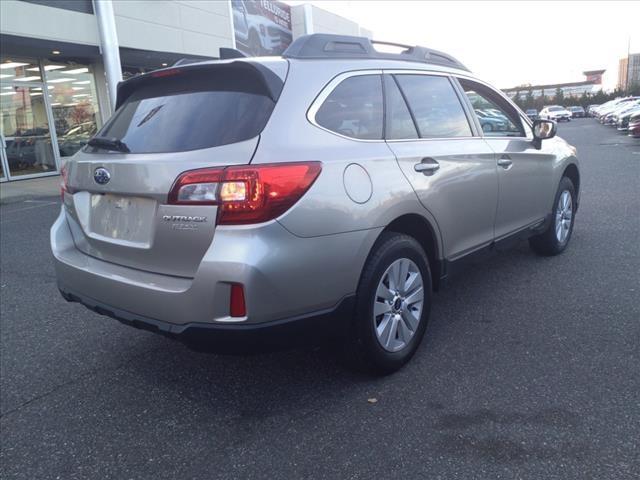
303,330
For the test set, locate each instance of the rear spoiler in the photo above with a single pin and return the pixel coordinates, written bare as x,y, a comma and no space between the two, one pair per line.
268,79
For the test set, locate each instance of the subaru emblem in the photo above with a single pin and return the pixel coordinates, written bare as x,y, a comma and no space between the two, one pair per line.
101,176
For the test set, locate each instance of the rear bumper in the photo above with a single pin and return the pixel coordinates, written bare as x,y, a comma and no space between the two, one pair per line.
284,276
309,329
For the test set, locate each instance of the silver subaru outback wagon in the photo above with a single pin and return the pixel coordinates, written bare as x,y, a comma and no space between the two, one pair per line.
244,204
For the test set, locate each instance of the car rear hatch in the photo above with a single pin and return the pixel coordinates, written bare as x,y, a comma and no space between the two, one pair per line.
167,122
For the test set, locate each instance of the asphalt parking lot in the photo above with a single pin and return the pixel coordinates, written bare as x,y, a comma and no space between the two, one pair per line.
530,369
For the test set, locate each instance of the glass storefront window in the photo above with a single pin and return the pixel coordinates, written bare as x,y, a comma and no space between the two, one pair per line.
25,129
74,103
14,69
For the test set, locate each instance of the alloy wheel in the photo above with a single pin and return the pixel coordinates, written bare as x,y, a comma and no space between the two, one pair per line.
398,303
564,215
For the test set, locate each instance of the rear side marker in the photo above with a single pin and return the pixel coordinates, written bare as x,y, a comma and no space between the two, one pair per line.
237,307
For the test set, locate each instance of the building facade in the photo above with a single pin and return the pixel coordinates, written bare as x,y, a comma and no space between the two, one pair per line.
53,87
629,71
591,84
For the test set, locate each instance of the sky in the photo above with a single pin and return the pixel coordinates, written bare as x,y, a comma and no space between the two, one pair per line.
508,43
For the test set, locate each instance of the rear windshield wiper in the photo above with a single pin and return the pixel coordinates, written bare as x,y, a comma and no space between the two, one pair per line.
107,143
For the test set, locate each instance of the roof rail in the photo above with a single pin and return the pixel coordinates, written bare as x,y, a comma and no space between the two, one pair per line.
324,46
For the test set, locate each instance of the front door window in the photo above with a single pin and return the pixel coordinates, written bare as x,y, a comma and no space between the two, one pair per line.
497,118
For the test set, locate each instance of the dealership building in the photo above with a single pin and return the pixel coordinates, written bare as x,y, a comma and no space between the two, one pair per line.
60,60
590,85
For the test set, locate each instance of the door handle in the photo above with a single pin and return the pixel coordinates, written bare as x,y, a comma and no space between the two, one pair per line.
505,162
427,166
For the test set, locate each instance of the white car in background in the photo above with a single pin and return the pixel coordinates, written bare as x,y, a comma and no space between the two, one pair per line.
257,33
556,113
612,105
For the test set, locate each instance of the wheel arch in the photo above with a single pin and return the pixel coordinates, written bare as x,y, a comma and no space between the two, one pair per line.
421,229
572,173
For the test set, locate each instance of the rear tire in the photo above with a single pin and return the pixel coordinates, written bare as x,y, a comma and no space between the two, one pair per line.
555,238
392,305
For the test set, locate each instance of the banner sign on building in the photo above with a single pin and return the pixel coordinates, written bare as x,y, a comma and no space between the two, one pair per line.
261,27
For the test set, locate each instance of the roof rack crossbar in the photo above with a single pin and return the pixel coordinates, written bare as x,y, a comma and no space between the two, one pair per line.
324,46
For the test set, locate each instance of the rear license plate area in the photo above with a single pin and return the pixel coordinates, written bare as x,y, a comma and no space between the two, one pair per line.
122,219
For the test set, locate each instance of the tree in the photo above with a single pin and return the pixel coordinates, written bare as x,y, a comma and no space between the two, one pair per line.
529,101
559,98
517,100
541,101
600,97
584,99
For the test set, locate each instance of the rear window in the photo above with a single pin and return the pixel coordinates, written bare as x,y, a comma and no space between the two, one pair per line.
190,111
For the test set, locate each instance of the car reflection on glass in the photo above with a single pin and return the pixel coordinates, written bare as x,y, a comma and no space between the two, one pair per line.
75,138
490,122
28,149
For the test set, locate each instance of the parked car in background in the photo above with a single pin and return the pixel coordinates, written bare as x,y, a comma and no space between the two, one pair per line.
611,105
577,112
532,113
555,113
621,117
611,118
229,237
634,125
624,118
591,109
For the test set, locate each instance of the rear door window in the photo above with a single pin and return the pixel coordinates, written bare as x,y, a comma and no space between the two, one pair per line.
354,108
400,124
435,106
189,112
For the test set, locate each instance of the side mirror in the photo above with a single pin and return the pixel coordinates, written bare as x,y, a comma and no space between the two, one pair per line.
543,129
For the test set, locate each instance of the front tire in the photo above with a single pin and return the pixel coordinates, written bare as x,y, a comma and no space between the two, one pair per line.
555,238
392,305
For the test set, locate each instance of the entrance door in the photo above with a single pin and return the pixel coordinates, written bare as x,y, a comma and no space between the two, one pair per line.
25,130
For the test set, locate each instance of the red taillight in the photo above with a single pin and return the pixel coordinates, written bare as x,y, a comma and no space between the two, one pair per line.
166,73
237,307
246,194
